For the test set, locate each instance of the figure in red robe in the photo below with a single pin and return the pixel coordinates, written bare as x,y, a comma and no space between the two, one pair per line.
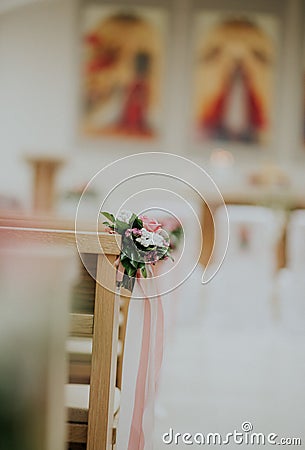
134,114
237,113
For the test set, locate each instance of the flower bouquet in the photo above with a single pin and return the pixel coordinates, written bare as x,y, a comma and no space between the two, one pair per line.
144,243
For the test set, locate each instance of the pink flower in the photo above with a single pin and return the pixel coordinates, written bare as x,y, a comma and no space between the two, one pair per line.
134,231
170,224
149,224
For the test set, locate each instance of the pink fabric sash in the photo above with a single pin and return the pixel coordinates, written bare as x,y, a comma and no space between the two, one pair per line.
136,438
159,339
143,356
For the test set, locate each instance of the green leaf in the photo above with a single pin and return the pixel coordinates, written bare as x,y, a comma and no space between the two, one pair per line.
132,219
121,227
128,282
108,216
109,225
144,272
129,268
137,223
131,271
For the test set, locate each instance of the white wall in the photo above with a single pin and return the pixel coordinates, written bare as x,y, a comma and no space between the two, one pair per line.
39,91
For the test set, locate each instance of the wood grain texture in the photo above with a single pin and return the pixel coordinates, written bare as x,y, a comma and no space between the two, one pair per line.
51,221
102,326
86,242
104,358
45,170
77,433
81,325
84,290
79,373
77,415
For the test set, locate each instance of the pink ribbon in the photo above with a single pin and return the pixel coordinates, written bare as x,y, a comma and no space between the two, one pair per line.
159,336
136,437
120,270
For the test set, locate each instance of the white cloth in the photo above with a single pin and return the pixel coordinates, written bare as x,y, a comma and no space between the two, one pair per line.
141,365
296,241
241,294
291,281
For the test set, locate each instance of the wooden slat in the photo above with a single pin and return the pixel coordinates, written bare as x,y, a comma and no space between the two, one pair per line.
80,358
87,242
81,325
77,433
84,290
79,373
26,220
77,415
104,358
91,242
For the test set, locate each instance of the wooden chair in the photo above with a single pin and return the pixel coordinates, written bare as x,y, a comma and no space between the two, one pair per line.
91,417
79,349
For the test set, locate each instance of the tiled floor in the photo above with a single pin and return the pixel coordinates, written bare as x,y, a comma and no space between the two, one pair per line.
213,381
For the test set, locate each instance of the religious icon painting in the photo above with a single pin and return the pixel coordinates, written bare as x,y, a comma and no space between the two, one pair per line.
303,79
122,65
234,76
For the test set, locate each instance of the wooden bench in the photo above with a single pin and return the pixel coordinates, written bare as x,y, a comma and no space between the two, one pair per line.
91,413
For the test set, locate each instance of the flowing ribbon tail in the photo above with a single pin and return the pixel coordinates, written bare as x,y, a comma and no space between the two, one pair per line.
120,270
136,438
159,343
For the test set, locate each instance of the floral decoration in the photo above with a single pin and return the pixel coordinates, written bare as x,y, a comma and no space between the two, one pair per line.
144,242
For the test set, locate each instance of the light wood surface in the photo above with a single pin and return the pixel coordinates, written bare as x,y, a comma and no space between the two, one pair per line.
102,326
78,415
104,359
45,170
87,242
81,325
47,221
77,433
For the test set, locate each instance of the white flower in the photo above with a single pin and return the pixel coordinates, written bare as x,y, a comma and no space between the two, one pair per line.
158,240
148,238
124,215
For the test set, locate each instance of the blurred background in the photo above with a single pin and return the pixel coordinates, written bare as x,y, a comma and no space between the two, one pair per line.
219,74
83,83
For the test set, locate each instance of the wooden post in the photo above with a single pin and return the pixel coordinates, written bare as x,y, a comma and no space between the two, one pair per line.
45,169
104,357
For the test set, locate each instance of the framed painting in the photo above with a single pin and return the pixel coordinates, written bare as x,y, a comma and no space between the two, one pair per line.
234,70
303,118
122,70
